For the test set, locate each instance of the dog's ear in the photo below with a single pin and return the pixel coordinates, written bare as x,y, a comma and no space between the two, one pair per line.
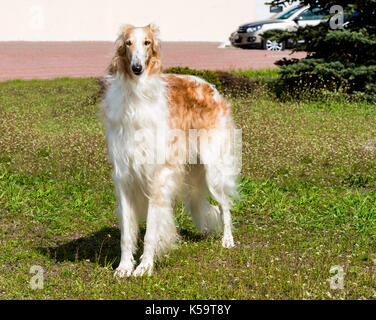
126,28
120,41
120,45
155,62
154,29
120,48
114,66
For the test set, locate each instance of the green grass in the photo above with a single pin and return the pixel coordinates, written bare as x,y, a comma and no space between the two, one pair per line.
307,202
258,74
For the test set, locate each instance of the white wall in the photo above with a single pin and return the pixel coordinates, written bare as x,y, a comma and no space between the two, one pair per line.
96,20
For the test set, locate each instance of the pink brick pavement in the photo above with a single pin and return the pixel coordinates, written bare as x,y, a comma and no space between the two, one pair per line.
46,60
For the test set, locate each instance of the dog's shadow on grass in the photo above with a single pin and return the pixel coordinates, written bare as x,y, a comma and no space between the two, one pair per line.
102,247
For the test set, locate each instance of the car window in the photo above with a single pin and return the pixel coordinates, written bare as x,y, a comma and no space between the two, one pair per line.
288,14
314,14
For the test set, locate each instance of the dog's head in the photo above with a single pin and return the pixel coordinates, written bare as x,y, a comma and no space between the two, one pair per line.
137,51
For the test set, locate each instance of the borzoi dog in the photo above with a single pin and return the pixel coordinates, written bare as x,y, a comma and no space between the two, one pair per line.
167,135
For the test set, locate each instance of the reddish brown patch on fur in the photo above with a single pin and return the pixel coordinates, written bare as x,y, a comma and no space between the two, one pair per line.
120,62
153,55
192,104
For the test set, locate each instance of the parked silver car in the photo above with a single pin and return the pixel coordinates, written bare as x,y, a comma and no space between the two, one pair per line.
248,35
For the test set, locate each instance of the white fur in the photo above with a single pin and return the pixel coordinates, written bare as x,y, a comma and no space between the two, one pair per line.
140,53
136,111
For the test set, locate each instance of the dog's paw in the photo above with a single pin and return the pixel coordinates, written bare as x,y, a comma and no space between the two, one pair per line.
123,271
143,268
228,241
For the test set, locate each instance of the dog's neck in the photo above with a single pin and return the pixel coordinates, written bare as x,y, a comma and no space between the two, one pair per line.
140,102
143,87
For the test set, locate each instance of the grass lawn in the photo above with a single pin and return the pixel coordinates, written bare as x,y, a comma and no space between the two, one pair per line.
307,202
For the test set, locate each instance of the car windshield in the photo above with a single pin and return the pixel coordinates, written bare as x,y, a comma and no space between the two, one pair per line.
313,14
289,13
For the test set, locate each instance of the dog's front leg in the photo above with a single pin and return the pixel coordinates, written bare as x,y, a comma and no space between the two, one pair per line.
160,225
152,237
128,228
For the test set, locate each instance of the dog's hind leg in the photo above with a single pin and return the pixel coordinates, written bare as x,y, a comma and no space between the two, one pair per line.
221,187
160,224
205,216
128,223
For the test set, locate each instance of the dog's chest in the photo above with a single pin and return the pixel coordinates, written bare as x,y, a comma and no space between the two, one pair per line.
135,134
136,142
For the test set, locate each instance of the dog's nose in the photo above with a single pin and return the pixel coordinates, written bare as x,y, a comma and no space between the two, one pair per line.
137,68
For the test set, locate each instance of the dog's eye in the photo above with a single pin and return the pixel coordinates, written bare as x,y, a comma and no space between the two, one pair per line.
147,42
128,43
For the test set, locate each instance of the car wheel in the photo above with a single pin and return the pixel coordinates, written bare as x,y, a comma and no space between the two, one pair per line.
273,45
